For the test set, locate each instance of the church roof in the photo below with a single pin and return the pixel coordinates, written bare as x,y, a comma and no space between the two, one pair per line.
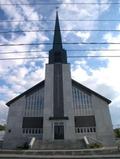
78,85
39,85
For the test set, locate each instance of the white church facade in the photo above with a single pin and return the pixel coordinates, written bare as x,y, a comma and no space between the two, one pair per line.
58,108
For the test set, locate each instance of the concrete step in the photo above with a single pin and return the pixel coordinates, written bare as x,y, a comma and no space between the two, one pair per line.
59,144
100,151
18,156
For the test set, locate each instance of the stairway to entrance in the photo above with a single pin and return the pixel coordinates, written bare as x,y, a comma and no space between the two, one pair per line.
59,144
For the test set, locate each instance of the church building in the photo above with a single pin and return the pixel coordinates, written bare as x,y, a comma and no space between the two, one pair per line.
58,108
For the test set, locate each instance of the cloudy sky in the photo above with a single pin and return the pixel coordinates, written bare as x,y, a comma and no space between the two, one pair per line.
25,21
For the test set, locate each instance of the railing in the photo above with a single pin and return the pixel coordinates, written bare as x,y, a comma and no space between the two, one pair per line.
87,142
32,142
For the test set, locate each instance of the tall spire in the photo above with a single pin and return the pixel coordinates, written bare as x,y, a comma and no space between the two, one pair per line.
57,42
57,54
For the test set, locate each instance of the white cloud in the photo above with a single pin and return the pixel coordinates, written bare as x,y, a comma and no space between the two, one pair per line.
81,12
84,36
105,7
11,11
78,73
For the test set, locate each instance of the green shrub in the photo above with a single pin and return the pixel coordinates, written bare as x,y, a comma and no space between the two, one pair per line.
25,146
95,145
117,132
2,127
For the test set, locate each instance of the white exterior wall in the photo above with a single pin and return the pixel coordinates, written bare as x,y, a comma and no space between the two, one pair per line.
100,109
48,103
14,123
69,128
104,130
17,110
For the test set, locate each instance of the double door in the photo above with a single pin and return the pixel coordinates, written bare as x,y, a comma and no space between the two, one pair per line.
58,132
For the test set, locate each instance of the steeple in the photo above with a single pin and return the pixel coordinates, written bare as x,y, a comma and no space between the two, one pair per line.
57,42
57,54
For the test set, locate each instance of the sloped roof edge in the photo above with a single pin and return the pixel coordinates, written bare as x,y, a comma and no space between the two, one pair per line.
91,91
41,84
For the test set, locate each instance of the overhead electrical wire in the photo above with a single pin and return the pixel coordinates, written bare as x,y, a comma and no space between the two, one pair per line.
66,43
50,20
26,51
72,3
48,30
44,57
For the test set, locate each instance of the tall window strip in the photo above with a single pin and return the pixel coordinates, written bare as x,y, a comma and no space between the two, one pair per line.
35,104
81,102
34,110
73,99
76,100
31,109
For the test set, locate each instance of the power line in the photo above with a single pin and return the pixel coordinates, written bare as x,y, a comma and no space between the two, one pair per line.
93,56
48,30
51,20
47,4
44,57
71,43
20,58
21,52
79,50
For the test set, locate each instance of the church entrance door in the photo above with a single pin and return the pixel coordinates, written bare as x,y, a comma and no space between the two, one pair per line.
58,132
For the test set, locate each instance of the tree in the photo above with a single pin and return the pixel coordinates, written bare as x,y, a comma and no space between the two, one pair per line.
117,132
2,127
